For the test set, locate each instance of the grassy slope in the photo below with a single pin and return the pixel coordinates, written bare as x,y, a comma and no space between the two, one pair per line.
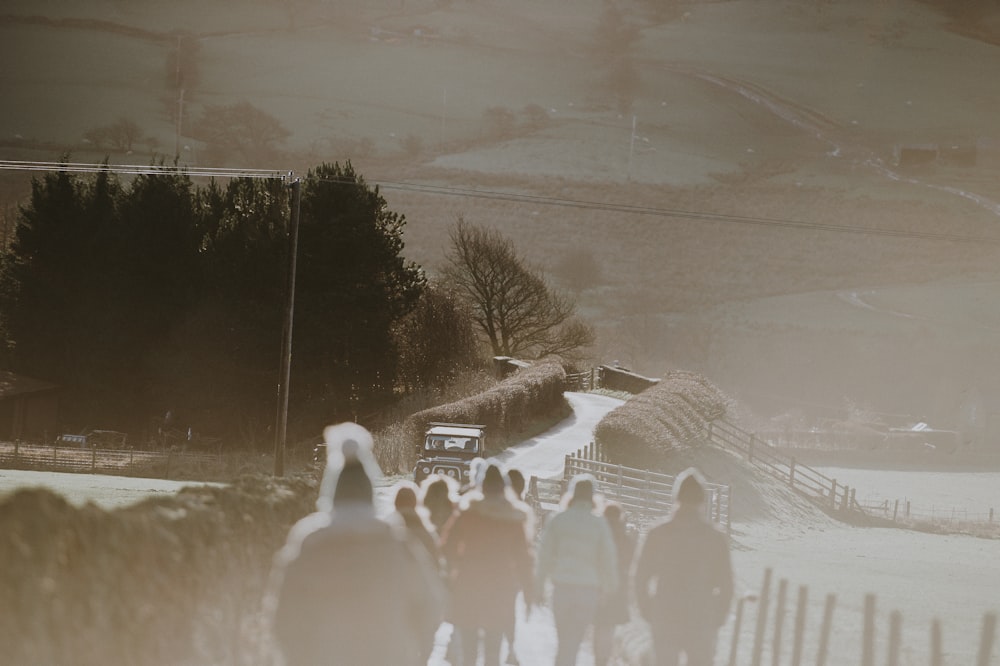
739,108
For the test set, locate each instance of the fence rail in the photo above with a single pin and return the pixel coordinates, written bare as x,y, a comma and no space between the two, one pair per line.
126,462
830,494
583,381
645,496
812,483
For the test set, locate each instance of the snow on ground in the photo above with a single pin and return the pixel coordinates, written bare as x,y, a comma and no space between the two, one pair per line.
925,576
108,492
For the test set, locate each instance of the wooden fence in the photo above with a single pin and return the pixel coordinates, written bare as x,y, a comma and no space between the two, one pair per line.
774,611
123,462
813,484
645,496
583,381
830,494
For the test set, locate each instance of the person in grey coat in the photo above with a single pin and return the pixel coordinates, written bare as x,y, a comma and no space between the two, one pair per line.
577,553
683,578
349,588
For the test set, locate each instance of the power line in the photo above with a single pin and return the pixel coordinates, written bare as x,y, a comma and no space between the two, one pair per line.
494,195
670,212
136,169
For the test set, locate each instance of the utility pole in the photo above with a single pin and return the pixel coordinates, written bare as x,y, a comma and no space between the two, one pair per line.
631,149
281,422
180,101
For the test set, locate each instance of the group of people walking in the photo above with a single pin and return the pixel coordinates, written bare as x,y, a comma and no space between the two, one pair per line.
350,587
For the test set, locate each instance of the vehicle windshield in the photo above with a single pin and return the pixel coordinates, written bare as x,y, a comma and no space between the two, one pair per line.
450,443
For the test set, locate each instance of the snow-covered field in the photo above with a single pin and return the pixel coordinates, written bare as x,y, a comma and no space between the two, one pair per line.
108,492
955,579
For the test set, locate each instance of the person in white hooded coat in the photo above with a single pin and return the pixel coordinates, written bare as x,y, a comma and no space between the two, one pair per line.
349,588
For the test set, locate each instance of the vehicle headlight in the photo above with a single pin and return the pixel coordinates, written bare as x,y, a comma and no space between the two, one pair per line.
426,470
451,473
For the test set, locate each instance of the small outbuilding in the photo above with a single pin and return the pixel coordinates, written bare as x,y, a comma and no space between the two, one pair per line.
29,408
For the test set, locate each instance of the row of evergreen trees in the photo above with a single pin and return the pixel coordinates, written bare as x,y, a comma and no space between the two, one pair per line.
157,295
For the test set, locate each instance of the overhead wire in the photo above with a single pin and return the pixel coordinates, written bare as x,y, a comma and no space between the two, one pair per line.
669,212
138,169
495,195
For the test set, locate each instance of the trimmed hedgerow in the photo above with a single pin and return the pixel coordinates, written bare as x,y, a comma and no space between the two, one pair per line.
170,580
507,409
675,412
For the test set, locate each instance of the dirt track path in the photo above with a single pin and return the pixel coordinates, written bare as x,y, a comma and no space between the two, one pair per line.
827,130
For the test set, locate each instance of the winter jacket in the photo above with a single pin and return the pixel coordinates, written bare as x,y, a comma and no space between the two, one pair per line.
687,559
614,607
487,552
421,533
576,548
347,581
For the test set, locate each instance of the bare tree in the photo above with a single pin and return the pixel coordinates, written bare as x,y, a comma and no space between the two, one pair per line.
517,310
119,136
240,128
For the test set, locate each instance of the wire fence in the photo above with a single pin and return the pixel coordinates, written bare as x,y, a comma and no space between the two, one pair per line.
167,464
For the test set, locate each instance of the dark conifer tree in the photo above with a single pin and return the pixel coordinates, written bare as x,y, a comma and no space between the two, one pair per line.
353,285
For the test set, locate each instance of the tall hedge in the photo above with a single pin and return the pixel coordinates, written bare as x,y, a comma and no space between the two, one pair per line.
173,580
675,412
506,409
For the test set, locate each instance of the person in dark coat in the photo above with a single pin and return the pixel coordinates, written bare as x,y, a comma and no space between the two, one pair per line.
577,553
439,502
613,608
517,485
408,510
486,546
684,578
346,581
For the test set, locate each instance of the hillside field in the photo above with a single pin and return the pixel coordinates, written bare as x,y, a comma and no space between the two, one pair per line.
761,139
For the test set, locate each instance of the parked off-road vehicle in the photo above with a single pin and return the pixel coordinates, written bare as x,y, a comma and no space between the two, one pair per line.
449,449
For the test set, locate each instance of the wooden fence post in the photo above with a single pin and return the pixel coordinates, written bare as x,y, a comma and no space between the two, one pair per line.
735,642
824,632
854,502
729,509
868,634
907,508
936,658
833,493
779,622
93,459
986,639
895,510
758,636
895,629
800,626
